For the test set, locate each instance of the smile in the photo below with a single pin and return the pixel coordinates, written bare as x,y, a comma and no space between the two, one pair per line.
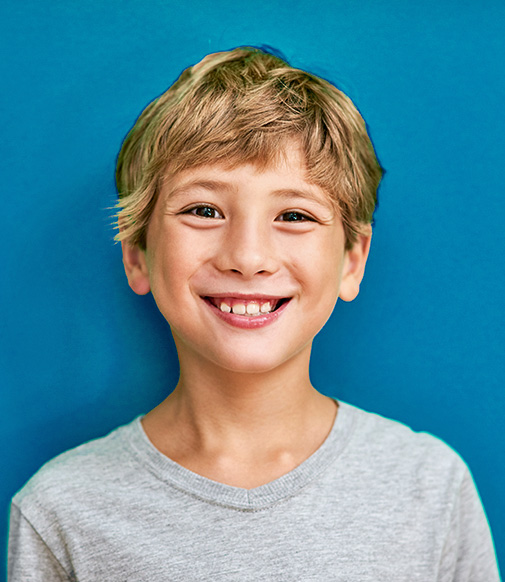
247,312
249,308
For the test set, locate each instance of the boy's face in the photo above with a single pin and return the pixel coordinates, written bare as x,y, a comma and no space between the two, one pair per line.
245,265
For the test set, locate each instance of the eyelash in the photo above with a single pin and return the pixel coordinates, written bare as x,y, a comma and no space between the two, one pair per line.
301,216
193,210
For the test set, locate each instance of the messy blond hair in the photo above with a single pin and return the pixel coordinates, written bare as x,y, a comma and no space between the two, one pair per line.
240,106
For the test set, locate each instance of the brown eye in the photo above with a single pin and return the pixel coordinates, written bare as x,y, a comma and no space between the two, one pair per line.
205,212
293,216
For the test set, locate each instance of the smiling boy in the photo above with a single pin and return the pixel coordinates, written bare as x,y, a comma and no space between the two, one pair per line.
247,193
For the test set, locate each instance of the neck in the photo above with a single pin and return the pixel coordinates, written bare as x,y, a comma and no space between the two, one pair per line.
221,416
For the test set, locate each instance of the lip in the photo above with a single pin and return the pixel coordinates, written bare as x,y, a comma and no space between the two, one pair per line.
242,321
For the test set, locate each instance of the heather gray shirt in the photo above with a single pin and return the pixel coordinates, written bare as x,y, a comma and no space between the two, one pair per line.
376,502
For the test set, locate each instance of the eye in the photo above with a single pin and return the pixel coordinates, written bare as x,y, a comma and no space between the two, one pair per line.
203,211
294,216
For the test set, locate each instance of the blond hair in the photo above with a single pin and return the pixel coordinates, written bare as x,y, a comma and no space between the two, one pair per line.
240,106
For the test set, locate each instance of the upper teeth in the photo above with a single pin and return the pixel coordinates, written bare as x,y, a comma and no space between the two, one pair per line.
250,308
239,308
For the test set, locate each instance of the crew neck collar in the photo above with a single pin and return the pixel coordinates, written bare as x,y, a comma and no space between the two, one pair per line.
239,498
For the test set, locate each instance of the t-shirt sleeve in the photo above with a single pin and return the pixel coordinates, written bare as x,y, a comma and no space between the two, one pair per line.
29,558
468,554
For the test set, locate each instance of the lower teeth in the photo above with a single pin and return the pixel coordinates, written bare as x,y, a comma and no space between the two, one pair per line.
256,314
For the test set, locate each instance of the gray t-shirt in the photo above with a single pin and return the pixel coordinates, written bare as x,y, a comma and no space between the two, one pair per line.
376,502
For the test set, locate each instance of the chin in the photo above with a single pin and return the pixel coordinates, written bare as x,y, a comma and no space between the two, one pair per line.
246,365
251,368
260,361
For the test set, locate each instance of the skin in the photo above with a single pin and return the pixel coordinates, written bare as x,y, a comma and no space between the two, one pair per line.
244,411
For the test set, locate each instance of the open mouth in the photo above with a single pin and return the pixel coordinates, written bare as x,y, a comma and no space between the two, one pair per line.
247,307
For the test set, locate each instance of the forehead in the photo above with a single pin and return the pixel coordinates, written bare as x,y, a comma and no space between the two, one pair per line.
285,176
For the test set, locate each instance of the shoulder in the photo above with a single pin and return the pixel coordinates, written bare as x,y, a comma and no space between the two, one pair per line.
411,477
387,435
395,451
78,473
413,486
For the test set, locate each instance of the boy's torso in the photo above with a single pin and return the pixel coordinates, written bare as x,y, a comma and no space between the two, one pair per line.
375,502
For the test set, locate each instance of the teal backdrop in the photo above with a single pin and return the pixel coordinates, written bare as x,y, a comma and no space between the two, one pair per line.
423,343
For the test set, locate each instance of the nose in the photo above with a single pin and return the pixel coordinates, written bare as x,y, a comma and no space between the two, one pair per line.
248,249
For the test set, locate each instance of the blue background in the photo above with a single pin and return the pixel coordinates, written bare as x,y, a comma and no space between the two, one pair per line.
423,343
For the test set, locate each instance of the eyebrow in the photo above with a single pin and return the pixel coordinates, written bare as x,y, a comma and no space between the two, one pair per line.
214,185
303,194
211,185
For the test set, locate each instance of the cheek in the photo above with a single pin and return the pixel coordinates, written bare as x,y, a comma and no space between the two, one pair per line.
322,267
173,256
179,271
167,272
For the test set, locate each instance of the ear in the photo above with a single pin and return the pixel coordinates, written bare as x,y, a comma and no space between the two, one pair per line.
135,266
354,267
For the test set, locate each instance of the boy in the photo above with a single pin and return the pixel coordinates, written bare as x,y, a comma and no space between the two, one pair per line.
247,192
